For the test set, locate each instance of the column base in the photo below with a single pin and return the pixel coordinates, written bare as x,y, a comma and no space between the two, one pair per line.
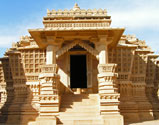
131,117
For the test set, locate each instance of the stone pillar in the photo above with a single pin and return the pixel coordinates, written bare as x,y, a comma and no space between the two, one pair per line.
108,89
49,98
50,54
103,54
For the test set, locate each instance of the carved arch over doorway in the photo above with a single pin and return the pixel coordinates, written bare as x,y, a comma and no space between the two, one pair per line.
74,43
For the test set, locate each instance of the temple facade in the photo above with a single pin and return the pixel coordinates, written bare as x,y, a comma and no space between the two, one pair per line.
78,70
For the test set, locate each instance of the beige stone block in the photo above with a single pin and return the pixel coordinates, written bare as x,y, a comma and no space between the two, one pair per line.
113,119
50,109
106,91
109,101
45,92
109,108
46,121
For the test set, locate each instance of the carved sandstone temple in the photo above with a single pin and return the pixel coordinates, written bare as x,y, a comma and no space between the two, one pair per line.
78,70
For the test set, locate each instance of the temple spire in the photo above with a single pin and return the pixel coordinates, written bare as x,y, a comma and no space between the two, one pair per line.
76,7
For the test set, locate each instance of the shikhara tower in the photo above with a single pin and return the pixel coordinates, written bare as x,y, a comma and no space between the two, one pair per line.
78,70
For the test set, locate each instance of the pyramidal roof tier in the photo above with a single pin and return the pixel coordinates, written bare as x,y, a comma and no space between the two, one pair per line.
77,17
68,23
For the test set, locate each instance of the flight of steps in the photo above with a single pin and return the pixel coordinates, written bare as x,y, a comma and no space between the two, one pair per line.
79,109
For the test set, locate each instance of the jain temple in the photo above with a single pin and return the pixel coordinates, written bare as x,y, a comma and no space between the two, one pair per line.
78,70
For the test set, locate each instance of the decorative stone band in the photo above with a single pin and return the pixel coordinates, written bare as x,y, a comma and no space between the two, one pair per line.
78,12
105,68
79,25
49,99
130,83
110,96
46,75
109,104
51,68
107,77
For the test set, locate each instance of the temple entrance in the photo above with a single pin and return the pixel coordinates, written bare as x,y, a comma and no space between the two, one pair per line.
78,71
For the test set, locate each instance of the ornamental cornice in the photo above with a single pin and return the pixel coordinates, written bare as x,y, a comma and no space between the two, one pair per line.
77,12
113,96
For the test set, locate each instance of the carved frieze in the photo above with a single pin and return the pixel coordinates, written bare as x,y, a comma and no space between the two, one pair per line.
77,42
103,68
77,25
49,98
115,96
52,68
78,12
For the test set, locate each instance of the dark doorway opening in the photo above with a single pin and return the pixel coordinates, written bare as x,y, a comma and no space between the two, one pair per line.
78,71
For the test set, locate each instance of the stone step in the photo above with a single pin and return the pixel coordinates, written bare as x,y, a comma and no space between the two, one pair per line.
84,100
80,109
84,96
79,117
81,122
70,100
79,103
79,96
78,100
80,114
76,106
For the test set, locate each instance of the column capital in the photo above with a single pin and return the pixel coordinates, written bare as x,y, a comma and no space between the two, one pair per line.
105,68
53,40
104,39
94,39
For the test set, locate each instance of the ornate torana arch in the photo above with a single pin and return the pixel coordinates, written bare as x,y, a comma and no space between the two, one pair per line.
77,42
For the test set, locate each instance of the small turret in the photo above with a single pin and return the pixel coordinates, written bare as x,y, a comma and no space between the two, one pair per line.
76,7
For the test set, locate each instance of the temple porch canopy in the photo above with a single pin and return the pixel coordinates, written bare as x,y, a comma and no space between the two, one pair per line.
56,36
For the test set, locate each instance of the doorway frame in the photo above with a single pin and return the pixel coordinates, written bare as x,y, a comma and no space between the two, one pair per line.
77,83
88,66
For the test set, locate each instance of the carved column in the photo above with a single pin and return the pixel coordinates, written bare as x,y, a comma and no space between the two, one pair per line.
108,90
51,54
49,80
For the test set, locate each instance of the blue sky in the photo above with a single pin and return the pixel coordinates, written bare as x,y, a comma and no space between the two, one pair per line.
139,17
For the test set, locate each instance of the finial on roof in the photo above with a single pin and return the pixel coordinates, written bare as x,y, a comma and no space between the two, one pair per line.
76,7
